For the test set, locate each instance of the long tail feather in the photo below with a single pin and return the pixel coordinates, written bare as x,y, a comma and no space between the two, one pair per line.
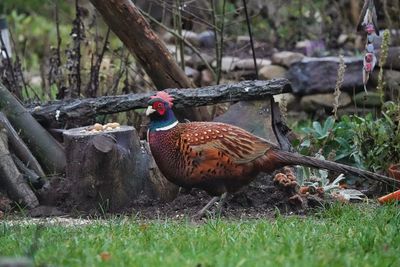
288,158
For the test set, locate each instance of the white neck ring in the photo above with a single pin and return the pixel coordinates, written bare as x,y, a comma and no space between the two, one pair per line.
167,127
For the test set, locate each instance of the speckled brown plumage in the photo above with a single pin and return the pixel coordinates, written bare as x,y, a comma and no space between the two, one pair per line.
218,157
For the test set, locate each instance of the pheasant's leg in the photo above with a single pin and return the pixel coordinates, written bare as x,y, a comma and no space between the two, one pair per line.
200,214
221,203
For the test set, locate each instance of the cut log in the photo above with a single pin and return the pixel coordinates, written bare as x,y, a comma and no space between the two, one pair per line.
90,107
107,169
45,148
12,180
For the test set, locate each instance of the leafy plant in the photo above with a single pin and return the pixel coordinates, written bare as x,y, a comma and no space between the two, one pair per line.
378,140
365,142
332,139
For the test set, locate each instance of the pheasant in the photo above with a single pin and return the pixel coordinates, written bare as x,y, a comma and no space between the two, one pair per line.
217,157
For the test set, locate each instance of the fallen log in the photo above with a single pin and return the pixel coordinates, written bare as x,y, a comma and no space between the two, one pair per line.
12,180
68,110
46,149
19,148
30,176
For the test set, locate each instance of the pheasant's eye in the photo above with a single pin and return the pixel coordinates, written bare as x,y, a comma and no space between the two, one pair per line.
159,107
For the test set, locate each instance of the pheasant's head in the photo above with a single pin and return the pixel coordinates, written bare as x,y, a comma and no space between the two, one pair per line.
160,112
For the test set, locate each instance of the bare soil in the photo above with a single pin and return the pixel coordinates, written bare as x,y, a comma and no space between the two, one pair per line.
263,198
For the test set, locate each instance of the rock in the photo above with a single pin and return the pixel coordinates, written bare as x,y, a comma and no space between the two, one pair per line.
171,48
253,116
240,75
243,39
311,47
289,99
36,81
319,75
391,78
206,78
191,73
372,99
342,39
190,36
206,39
271,72
248,63
318,101
286,58
393,59
196,62
229,64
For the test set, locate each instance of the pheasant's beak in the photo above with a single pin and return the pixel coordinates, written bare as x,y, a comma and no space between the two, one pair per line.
149,110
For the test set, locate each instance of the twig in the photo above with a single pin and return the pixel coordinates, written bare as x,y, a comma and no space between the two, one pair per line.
179,28
187,43
217,50
122,67
8,60
75,55
221,46
251,37
55,75
93,85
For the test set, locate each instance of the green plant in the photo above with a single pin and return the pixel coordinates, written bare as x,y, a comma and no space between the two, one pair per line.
332,139
382,61
365,142
378,140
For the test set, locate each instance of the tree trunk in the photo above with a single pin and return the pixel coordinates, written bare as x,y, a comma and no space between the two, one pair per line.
131,27
46,149
108,169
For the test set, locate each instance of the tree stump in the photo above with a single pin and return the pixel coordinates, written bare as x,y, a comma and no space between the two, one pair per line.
107,169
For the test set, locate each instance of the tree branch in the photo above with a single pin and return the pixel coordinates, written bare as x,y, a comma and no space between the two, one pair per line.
90,107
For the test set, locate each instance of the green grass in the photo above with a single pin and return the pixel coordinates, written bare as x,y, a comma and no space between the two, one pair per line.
343,235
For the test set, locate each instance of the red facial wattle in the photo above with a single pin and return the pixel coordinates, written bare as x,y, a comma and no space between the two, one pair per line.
159,107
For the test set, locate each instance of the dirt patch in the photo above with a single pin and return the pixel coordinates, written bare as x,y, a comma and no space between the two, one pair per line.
261,199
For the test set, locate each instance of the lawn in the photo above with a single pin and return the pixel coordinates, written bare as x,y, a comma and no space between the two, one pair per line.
342,235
